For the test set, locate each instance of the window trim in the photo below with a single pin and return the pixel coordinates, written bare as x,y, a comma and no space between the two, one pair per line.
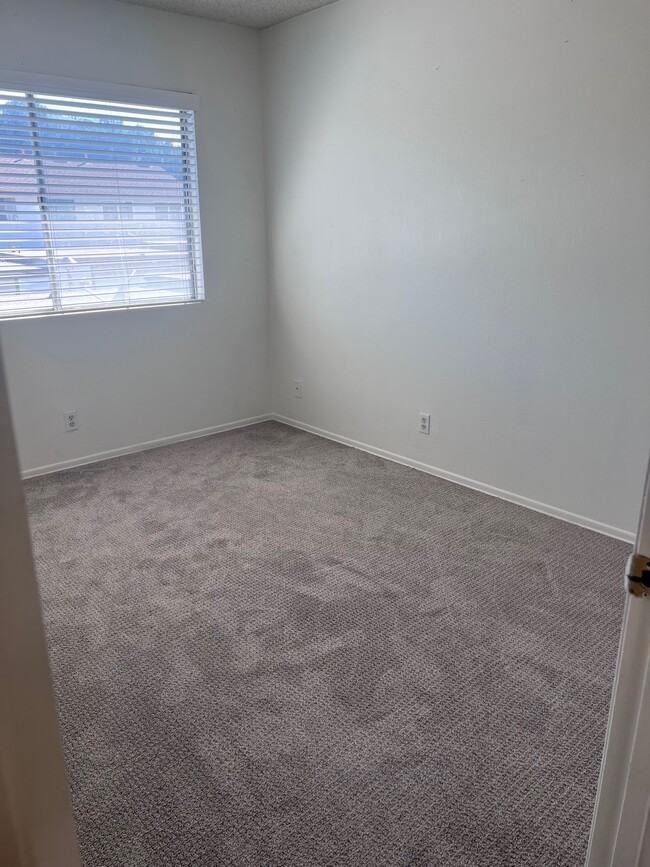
55,314
80,88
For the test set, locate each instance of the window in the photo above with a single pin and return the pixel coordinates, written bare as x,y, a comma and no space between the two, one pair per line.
8,210
81,185
167,210
116,212
111,212
62,209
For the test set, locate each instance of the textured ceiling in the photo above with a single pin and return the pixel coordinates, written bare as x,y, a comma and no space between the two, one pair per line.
248,13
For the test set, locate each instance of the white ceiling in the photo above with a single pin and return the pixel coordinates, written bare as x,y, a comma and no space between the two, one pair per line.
249,13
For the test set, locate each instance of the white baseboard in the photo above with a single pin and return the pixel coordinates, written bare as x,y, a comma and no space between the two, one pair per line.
569,517
141,447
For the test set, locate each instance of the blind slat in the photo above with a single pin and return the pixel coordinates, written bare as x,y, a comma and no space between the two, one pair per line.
64,167
90,134
102,190
106,273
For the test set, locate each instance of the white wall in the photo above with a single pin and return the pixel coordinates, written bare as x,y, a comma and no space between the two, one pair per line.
458,201
458,213
142,375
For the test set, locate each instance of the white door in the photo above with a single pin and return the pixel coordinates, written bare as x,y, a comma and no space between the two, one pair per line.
620,834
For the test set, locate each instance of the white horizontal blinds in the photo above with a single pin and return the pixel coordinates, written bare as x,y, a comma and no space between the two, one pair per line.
98,205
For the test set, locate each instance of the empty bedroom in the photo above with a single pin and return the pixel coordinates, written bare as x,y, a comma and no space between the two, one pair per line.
324,426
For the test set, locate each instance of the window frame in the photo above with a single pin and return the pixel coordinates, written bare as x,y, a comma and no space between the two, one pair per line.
110,92
8,206
59,205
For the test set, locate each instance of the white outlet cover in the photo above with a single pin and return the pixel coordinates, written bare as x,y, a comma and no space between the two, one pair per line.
425,423
71,420
297,388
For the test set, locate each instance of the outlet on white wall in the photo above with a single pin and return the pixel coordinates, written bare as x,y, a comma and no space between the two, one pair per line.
71,420
297,388
425,423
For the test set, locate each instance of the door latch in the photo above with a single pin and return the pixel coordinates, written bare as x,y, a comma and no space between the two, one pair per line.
637,575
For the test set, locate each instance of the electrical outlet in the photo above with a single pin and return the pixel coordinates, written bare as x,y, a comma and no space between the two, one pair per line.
71,420
297,388
425,423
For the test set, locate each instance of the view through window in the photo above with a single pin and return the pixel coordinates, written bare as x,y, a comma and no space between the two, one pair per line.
98,205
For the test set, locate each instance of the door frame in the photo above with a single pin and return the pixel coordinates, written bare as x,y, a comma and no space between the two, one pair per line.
36,820
620,835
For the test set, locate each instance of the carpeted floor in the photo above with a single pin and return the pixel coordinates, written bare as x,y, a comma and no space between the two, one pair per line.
270,650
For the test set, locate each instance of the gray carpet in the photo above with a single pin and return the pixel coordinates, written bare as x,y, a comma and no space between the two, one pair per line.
272,650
